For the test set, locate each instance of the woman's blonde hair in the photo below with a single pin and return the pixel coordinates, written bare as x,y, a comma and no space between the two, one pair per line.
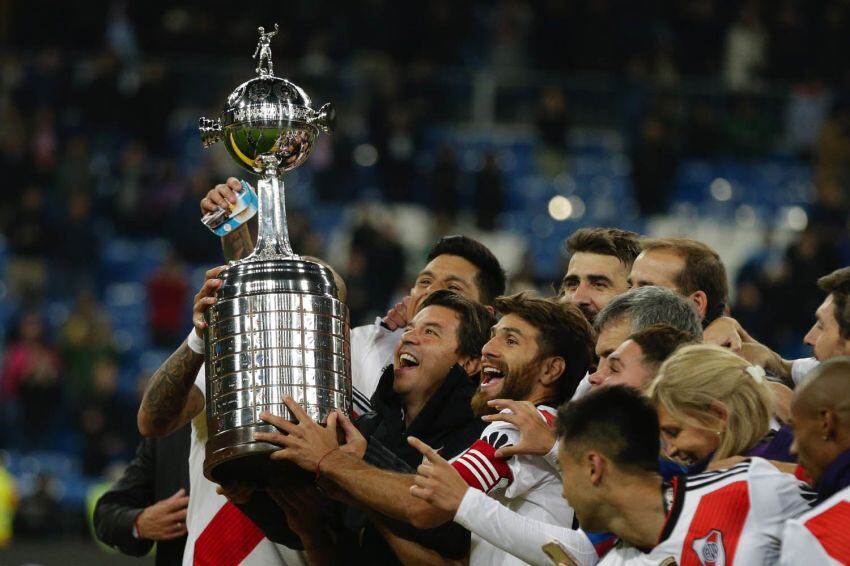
697,377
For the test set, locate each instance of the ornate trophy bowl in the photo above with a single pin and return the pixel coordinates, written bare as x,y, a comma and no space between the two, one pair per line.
278,327
268,117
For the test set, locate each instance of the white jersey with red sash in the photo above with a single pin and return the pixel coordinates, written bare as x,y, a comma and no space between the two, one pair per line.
219,534
821,536
524,484
724,517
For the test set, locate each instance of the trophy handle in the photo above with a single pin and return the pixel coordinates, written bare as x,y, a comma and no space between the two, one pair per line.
273,234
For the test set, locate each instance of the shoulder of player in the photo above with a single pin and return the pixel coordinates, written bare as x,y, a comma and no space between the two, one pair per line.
714,477
835,510
828,525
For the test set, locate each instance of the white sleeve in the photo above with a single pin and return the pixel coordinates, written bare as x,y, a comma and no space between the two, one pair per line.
551,458
776,498
201,381
799,546
518,535
372,348
801,368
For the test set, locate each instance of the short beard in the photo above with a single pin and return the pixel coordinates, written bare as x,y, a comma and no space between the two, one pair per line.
516,385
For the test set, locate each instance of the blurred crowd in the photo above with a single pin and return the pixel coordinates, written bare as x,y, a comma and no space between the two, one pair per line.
99,103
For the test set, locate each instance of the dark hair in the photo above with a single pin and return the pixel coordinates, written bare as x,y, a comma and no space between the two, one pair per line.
703,271
491,277
475,320
622,244
659,341
618,421
837,284
563,331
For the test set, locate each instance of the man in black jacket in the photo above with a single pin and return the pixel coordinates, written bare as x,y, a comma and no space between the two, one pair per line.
148,503
426,392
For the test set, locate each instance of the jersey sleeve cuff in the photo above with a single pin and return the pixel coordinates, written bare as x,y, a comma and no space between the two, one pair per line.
468,505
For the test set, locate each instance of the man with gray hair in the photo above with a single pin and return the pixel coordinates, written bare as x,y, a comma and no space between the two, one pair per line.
632,312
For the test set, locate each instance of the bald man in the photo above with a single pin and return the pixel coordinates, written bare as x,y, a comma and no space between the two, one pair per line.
821,421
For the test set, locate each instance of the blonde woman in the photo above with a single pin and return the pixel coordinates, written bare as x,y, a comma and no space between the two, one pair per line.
712,405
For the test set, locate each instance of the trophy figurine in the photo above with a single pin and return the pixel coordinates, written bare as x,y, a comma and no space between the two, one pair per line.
278,327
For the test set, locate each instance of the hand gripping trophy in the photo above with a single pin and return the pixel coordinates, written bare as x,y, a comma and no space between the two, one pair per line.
278,327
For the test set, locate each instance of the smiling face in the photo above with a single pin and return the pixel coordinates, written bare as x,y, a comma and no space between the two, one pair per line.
509,363
824,337
592,280
683,442
445,272
426,352
609,339
626,367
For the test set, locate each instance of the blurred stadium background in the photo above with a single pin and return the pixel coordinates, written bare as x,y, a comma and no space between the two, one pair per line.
512,121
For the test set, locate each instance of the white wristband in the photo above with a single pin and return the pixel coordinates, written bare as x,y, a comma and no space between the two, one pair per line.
195,342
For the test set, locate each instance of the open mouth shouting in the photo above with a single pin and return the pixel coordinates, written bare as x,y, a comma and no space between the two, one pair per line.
406,360
491,374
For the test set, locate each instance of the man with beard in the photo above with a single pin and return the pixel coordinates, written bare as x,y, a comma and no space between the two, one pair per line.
600,262
456,263
538,352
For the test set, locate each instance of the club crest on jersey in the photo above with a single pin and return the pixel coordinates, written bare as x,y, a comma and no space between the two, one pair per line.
710,549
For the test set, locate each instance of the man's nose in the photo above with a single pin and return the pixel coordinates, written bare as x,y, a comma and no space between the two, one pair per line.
410,336
582,294
489,349
596,378
811,337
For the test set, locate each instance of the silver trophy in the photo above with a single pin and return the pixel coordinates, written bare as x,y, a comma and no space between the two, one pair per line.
278,327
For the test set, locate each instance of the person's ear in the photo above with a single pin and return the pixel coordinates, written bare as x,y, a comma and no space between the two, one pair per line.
553,368
700,299
471,365
491,309
828,423
595,467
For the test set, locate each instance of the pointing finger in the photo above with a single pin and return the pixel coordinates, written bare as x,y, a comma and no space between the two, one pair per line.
425,450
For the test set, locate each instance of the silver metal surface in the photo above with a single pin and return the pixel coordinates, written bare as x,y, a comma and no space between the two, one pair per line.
278,327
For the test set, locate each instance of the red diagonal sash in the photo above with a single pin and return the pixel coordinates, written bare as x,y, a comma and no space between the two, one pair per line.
227,539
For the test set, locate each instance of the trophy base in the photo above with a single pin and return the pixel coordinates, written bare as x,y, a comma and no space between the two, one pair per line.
250,463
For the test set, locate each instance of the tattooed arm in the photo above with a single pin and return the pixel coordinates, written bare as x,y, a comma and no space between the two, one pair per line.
171,398
239,243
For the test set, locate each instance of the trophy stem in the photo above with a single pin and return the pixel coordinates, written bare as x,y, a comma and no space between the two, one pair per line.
273,234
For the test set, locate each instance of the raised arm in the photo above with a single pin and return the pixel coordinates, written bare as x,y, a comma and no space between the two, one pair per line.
240,242
171,398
